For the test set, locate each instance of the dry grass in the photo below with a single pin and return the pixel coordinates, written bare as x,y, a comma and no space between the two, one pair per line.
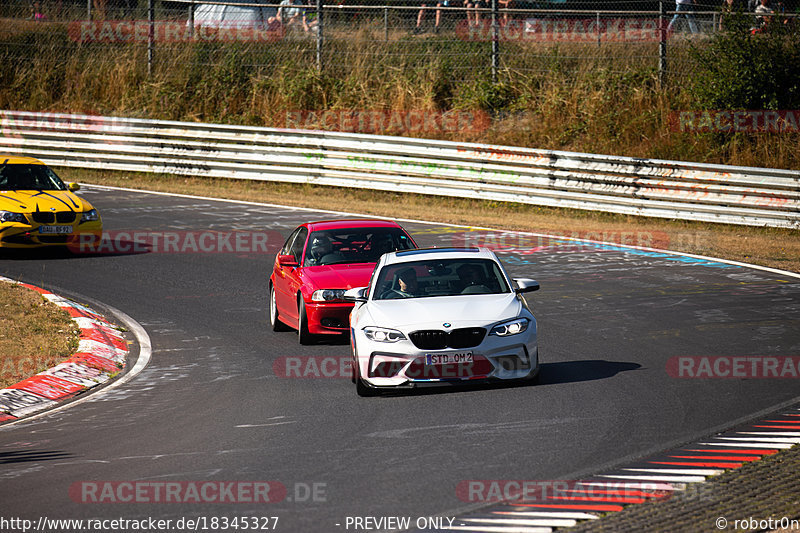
35,334
776,248
567,96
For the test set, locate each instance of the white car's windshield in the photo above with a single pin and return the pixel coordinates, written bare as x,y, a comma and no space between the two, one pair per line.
450,277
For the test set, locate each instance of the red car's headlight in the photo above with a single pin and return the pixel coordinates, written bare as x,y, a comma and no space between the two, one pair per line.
328,295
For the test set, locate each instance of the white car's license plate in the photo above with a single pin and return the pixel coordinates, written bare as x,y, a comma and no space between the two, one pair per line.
55,229
448,358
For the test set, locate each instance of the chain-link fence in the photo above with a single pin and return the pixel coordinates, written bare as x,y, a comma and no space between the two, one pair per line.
500,37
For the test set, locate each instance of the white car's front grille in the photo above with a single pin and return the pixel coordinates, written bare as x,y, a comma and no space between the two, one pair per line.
436,339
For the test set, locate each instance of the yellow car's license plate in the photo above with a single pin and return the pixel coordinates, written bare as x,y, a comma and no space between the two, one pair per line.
57,230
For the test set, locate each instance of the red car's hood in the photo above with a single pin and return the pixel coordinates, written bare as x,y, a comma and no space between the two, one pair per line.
342,276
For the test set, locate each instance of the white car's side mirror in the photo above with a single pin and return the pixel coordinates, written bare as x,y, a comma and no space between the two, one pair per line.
525,285
357,294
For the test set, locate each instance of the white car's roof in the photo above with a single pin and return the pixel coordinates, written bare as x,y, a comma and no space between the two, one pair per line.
437,254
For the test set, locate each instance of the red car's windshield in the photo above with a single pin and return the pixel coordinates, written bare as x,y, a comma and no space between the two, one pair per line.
354,245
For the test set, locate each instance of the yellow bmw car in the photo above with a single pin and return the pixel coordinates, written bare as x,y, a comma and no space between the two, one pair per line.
38,209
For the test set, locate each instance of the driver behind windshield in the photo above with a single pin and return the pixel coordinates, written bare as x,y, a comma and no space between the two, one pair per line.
407,282
320,251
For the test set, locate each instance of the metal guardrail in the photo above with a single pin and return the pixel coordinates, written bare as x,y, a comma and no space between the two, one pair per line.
666,189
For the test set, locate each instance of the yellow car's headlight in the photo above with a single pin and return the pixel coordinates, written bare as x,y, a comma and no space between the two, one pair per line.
8,216
90,216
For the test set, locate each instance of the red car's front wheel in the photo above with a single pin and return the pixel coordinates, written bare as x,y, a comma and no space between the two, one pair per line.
303,334
276,324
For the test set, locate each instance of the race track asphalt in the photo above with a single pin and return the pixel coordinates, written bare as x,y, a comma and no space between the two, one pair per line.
210,406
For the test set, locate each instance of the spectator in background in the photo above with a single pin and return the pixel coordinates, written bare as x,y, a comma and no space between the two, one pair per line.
437,24
727,11
475,6
99,9
291,13
36,11
763,14
311,18
505,4
683,8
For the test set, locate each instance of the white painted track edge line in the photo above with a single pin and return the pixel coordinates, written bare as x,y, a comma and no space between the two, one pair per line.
346,213
760,445
544,522
549,514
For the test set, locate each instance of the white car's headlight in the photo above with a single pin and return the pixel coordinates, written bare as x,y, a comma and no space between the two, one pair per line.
512,327
327,295
90,216
383,334
8,216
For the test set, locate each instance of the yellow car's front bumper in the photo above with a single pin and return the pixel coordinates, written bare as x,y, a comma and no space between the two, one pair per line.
18,235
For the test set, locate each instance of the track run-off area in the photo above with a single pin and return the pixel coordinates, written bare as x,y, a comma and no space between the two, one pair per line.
641,351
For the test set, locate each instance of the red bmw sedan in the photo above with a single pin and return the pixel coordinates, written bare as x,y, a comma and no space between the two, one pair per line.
318,263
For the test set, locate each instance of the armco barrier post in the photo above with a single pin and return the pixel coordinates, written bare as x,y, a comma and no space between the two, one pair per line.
191,19
597,21
151,34
662,44
320,19
495,42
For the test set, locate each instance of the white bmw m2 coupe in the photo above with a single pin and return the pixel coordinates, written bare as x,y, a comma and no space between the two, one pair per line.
441,316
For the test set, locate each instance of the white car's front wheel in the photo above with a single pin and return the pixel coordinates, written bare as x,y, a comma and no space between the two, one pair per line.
361,387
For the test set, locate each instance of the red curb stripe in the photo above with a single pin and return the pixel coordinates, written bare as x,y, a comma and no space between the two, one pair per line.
99,336
611,499
5,417
579,507
744,458
100,329
656,493
745,451
699,463
779,427
33,288
50,387
88,359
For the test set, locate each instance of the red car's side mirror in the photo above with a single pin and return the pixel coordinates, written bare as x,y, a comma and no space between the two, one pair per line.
287,261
